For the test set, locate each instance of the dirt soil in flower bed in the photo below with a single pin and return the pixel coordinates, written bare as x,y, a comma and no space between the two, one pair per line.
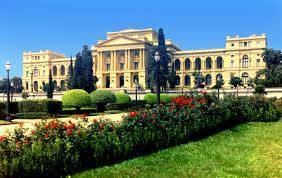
29,123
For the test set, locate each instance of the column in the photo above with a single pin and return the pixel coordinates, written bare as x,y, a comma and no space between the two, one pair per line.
129,60
115,60
125,59
141,59
144,59
112,60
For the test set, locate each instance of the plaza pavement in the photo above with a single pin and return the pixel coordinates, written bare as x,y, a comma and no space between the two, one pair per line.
29,123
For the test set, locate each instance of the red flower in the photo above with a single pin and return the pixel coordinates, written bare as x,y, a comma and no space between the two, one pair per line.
54,125
133,114
154,115
33,132
69,132
47,127
71,126
84,115
65,126
113,127
2,138
95,120
144,115
102,125
192,106
46,135
78,132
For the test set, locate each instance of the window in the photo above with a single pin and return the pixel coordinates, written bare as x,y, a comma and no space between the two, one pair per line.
121,66
26,73
177,80
187,80
245,61
258,62
38,57
232,62
136,65
43,72
208,63
258,43
232,56
245,77
35,72
241,44
232,75
177,64
187,64
108,67
219,62
245,44
232,45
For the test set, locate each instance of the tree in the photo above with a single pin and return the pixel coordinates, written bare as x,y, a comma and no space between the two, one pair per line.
166,72
199,79
17,88
251,84
82,77
236,81
260,89
50,88
218,85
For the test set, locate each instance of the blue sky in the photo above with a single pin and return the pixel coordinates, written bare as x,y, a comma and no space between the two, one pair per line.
65,25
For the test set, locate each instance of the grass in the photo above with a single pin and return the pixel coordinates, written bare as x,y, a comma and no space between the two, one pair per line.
248,150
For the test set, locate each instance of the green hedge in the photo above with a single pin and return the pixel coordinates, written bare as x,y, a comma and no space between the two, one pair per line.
123,98
76,98
33,115
151,98
2,111
101,98
44,105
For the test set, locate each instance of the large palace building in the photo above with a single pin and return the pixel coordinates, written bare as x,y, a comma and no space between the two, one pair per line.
121,60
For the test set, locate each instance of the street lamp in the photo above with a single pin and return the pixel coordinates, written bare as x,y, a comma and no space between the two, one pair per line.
12,90
136,88
8,68
157,58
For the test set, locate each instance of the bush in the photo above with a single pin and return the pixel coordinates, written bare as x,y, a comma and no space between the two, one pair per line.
84,110
122,98
43,105
32,115
278,105
2,111
101,98
76,98
58,149
151,98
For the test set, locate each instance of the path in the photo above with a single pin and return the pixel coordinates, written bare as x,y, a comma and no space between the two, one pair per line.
29,123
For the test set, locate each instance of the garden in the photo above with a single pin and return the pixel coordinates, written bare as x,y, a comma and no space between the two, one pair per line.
54,148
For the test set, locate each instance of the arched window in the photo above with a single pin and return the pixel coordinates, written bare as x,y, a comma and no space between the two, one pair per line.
198,63
35,72
177,80
187,80
63,70
245,61
245,77
219,62
208,79
208,63
55,70
121,81
219,76
135,79
55,84
26,85
63,85
35,84
108,82
177,64
187,64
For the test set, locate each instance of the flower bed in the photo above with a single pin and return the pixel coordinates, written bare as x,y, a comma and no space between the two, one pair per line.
56,148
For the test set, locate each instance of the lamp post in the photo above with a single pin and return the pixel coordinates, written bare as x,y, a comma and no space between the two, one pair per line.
157,58
136,89
8,68
12,90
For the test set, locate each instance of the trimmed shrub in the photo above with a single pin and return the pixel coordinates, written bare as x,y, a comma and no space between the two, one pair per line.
84,110
32,115
122,98
2,111
101,98
50,106
151,98
278,105
76,98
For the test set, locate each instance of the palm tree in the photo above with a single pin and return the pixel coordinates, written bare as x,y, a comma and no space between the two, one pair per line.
251,84
236,81
218,85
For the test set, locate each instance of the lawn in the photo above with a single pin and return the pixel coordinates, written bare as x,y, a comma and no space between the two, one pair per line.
248,150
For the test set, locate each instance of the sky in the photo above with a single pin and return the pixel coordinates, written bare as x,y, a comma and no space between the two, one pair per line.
65,25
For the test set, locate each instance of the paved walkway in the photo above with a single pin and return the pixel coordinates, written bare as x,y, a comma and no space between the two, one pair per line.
29,123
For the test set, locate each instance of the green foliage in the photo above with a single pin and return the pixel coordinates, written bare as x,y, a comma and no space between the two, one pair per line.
42,105
151,98
32,115
278,105
83,72
17,85
101,98
260,89
66,148
236,81
50,86
218,85
122,98
76,98
2,111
